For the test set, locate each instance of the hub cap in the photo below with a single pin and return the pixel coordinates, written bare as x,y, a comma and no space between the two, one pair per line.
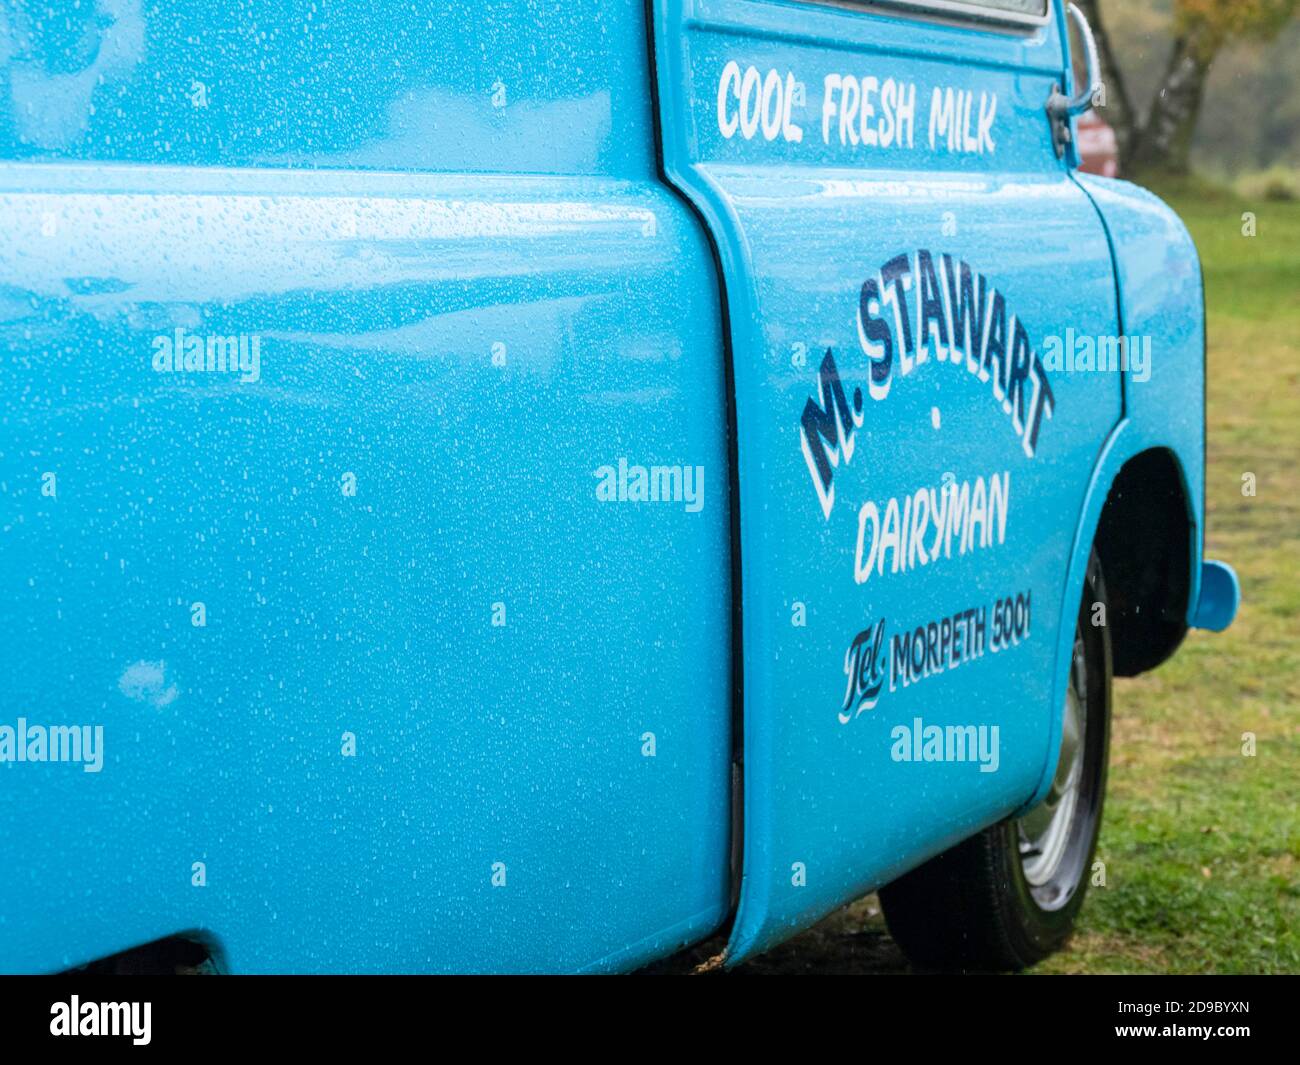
1045,831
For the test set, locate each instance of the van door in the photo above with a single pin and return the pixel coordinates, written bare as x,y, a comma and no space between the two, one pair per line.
408,630
905,260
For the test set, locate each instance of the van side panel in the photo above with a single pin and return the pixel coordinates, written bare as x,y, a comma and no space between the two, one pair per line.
867,174
1162,304
395,667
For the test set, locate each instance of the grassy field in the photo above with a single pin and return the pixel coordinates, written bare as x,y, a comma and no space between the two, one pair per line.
1201,843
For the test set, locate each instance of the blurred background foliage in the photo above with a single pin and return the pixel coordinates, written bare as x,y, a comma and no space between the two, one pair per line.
1205,87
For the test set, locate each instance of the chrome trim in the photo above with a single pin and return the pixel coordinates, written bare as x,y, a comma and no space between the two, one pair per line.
1058,104
965,11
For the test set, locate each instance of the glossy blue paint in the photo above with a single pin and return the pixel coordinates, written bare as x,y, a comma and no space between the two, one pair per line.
473,291
1157,270
466,308
1220,596
458,86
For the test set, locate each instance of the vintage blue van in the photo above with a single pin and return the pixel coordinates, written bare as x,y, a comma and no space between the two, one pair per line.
530,485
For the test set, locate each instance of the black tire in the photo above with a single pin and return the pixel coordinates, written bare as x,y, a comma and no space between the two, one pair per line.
974,907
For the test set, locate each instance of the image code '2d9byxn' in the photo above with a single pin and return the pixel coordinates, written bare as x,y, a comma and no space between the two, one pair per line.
471,507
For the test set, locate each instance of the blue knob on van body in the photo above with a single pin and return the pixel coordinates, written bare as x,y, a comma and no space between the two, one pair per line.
1220,596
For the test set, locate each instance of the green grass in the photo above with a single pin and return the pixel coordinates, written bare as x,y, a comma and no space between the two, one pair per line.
1202,844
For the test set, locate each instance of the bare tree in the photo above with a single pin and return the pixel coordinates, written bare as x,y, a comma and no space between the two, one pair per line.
1202,28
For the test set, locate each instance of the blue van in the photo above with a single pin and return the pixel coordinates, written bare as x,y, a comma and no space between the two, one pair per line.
529,485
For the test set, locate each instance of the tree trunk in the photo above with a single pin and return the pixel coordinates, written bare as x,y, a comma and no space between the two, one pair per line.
1116,107
1166,139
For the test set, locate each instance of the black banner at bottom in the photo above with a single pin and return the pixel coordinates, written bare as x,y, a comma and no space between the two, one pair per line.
885,1014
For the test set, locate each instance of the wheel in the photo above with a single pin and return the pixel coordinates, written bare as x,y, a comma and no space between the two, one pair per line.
1007,898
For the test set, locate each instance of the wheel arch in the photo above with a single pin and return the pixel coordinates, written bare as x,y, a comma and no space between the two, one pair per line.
1145,539
1113,499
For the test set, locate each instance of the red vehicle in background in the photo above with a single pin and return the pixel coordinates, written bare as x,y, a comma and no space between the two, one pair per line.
1098,146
